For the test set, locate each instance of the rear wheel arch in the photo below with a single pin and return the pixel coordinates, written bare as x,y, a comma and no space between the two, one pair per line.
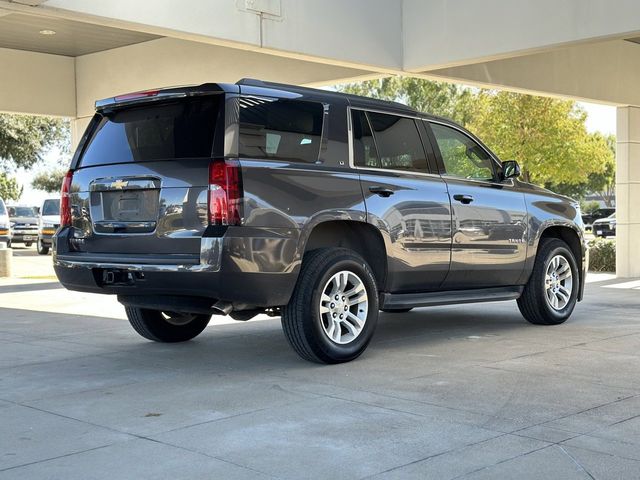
363,238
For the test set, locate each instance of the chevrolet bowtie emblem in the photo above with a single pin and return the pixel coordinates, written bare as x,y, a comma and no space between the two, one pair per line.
119,184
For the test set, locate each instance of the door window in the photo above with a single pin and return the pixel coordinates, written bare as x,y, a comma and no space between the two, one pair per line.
364,148
387,141
462,157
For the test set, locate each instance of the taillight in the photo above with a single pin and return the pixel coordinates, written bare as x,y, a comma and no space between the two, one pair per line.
65,200
136,95
225,193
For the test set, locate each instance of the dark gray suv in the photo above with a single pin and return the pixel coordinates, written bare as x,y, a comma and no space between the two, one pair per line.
320,207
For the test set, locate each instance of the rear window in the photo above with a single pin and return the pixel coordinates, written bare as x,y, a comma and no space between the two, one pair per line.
51,207
280,129
163,131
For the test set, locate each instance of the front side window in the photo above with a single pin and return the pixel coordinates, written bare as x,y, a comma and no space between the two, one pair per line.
462,157
280,129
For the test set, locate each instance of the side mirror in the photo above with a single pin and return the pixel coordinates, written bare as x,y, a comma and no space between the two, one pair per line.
510,169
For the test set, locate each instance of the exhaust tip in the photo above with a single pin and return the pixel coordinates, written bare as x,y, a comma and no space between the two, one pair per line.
222,308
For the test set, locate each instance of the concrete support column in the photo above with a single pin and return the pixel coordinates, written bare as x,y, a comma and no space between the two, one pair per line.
628,192
78,126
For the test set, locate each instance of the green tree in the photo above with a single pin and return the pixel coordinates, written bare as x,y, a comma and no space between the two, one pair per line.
9,187
25,138
49,181
548,137
437,98
604,183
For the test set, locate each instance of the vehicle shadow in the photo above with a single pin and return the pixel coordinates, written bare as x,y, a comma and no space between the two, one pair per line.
30,287
252,346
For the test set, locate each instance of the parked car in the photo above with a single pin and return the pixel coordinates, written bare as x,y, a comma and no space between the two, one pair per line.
48,223
605,227
589,218
320,207
24,224
5,227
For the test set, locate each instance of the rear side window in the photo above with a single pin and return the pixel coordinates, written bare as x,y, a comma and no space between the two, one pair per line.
280,129
396,143
364,148
162,131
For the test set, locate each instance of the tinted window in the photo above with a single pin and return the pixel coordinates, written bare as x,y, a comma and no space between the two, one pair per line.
364,148
51,207
462,157
3,210
164,131
280,129
398,142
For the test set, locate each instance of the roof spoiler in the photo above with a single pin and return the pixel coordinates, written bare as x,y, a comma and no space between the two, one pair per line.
157,94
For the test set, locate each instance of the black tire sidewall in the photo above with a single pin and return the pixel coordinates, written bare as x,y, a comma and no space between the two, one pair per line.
560,315
42,250
156,327
329,350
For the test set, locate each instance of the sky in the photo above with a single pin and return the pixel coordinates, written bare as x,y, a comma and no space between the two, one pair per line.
600,118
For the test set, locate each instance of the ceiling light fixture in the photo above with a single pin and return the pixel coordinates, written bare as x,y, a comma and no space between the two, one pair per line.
47,32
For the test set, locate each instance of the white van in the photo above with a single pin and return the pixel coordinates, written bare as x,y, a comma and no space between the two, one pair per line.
5,227
48,223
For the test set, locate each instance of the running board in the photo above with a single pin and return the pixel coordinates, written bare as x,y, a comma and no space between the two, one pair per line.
398,301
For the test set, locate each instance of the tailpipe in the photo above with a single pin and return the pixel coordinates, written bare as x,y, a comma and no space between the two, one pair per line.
222,308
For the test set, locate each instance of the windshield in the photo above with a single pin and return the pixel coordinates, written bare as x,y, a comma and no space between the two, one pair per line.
21,212
51,207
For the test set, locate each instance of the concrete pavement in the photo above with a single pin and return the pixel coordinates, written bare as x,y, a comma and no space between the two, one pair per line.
450,392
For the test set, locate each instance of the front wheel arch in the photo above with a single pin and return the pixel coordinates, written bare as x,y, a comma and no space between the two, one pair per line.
571,236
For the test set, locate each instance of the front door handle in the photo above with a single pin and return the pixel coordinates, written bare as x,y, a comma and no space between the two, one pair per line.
382,191
466,199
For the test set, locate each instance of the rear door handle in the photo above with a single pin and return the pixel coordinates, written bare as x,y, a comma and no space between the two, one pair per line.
466,199
382,191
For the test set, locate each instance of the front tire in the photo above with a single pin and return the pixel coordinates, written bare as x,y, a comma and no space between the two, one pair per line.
551,293
166,327
333,311
42,249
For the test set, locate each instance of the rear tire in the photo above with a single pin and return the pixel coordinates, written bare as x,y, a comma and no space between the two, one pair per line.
551,293
166,327
333,311
42,250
